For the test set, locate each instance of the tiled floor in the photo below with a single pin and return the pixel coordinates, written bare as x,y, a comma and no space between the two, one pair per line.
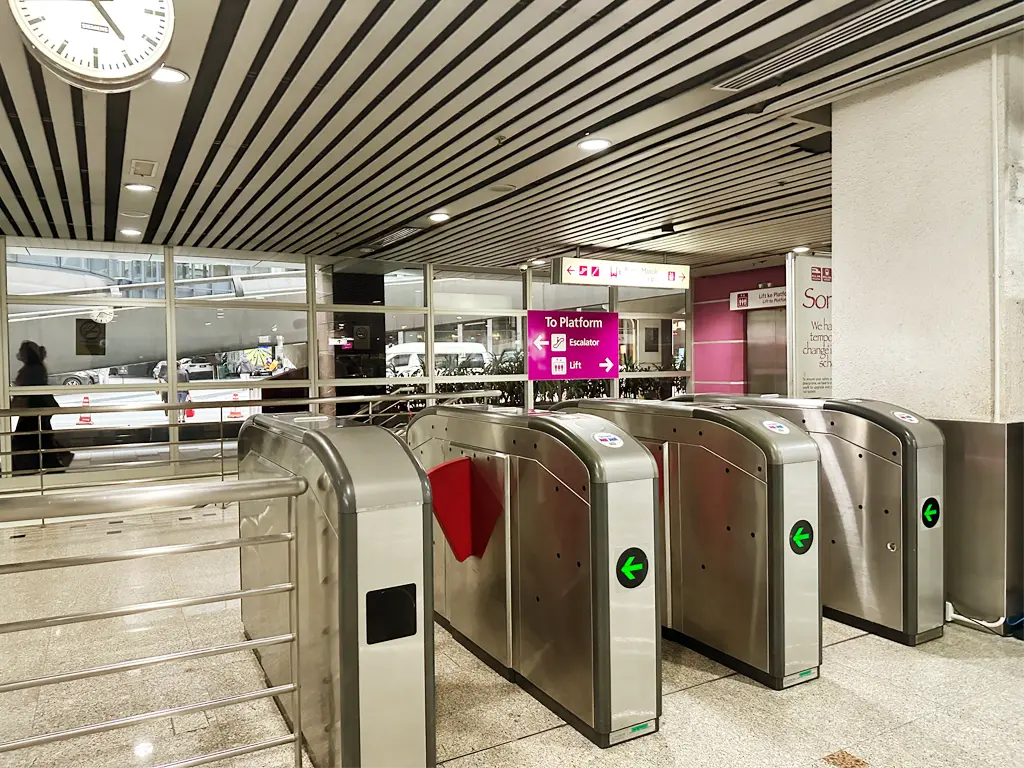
953,702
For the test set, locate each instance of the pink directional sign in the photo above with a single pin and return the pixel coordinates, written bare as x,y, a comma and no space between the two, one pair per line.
572,345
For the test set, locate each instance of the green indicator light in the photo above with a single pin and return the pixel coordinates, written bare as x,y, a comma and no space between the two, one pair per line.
930,512
806,672
801,537
629,568
640,727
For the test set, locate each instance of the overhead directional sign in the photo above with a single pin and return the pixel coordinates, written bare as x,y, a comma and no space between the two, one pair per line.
572,345
631,567
636,274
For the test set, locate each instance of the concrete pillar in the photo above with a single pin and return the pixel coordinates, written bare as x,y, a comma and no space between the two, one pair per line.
928,238
928,292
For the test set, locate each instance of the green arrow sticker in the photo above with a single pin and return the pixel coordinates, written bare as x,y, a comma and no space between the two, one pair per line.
801,537
930,512
631,568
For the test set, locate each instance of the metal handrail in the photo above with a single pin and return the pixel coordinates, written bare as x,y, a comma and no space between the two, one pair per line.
200,405
151,498
125,500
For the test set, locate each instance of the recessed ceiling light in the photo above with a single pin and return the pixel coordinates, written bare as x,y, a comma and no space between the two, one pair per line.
209,323
594,145
801,249
131,232
366,250
135,214
139,187
169,75
458,317
538,262
502,188
439,216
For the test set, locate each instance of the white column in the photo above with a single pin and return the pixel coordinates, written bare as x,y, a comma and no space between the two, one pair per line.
928,238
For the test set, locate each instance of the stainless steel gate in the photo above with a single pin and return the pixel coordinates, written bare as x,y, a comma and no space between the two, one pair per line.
365,598
561,599
881,507
739,523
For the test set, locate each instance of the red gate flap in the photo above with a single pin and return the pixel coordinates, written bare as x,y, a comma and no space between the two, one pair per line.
465,505
451,489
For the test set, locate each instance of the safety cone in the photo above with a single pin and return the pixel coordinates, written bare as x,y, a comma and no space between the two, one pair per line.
85,418
236,412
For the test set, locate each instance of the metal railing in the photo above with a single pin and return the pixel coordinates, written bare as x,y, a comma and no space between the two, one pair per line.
213,441
152,498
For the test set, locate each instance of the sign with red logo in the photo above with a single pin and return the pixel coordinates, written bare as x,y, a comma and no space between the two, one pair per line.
636,274
758,298
809,348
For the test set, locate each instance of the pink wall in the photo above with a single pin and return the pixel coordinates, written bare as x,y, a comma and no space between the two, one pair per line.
720,335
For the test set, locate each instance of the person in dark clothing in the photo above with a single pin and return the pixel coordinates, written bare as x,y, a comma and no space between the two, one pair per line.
33,433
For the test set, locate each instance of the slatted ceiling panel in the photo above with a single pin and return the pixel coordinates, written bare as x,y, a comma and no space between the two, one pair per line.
354,134
591,204
323,125
358,31
480,86
220,112
540,126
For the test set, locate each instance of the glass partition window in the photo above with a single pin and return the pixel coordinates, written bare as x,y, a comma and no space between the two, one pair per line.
90,345
583,298
218,342
370,284
477,292
371,345
86,273
652,344
218,279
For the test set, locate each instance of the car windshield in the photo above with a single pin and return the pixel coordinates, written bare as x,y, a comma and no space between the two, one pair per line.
399,361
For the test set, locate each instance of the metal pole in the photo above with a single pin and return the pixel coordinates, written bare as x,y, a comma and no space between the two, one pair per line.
428,332
5,371
172,355
312,337
293,618
524,342
613,306
688,331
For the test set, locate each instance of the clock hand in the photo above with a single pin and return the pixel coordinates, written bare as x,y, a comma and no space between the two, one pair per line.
110,21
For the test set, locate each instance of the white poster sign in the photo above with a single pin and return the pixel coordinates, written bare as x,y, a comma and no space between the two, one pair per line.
809,325
758,298
637,274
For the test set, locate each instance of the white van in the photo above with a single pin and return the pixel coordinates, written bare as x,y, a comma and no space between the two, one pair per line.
409,359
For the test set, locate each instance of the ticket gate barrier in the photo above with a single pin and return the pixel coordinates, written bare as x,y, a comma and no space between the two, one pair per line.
365,593
546,574
882,486
739,525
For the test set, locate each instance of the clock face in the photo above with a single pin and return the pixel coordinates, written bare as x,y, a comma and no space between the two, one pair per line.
106,44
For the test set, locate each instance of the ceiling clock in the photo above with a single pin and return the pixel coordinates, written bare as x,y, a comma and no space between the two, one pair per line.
97,45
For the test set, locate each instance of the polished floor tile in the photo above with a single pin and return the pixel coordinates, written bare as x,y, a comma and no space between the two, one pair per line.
833,632
478,709
682,668
955,701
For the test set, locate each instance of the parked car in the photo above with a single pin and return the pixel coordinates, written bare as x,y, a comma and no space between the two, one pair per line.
197,368
76,378
408,359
